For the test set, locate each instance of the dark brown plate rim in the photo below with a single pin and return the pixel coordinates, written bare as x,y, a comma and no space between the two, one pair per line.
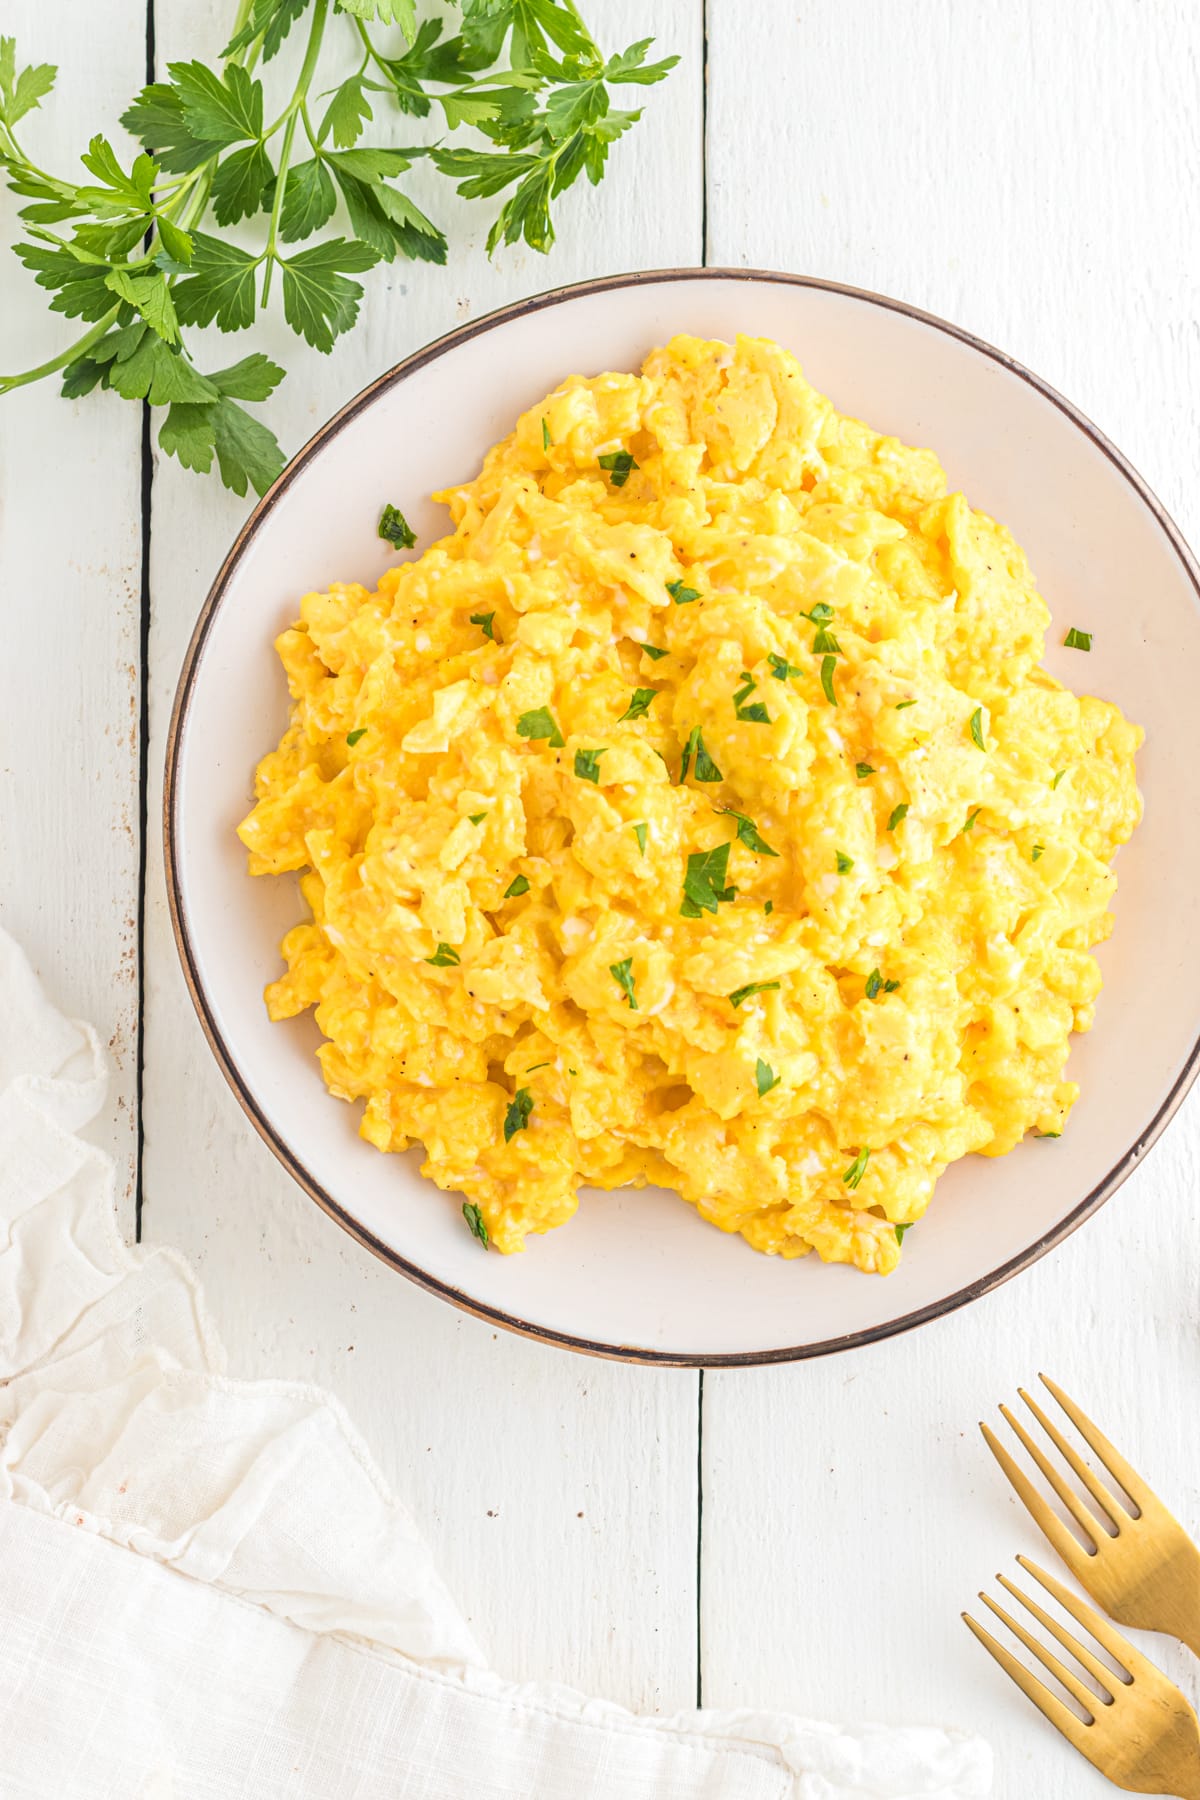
627,1352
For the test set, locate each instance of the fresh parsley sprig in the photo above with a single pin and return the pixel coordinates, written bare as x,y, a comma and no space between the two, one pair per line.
139,254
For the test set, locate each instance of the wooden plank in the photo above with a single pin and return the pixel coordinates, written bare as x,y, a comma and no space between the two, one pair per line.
70,574
1031,173
560,1494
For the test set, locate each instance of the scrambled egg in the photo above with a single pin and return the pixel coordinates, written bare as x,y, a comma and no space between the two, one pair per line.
696,813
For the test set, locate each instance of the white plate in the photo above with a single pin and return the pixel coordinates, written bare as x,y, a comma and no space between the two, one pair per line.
638,1274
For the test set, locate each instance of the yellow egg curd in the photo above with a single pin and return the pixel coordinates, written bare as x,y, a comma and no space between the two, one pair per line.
696,813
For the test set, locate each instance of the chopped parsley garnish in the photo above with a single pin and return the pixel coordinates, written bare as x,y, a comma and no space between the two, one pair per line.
639,832
540,724
889,987
898,813
477,818
751,987
874,983
825,644
970,824
820,614
748,833
1078,640
517,1117
765,1076
619,464
680,593
754,714
1036,852
475,1220
444,957
704,883
857,1169
640,705
828,665
862,770
653,652
354,737
1058,777
768,906
484,622
547,440
901,704
844,863
1047,1134
518,885
622,974
977,728
534,1067
395,529
781,668
900,1231
706,768
587,764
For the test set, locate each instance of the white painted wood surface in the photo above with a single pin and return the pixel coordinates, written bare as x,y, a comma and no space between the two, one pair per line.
1032,172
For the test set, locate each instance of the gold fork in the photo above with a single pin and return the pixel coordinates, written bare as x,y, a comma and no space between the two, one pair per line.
1138,1561
1138,1729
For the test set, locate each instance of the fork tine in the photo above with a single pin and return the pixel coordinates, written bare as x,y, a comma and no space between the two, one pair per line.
1047,1658
1119,1648
1108,1504
1067,1495
1064,1541
1059,1715
1099,1672
1100,1447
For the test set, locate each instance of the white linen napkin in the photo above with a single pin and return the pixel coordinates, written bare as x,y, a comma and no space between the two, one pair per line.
206,1590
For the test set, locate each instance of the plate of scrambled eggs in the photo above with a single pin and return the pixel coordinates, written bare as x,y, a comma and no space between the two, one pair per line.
693,720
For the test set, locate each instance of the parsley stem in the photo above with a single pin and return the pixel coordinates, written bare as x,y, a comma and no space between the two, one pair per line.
303,83
9,382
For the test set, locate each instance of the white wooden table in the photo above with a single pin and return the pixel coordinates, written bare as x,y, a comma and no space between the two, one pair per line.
805,1536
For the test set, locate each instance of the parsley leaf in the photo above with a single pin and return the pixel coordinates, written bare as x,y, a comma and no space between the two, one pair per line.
902,704
395,529
517,1116
765,1077
781,668
639,831
356,736
219,286
681,594
444,957
844,863
20,93
828,665
653,652
706,768
547,440
622,974
477,818
825,644
977,728
704,883
1078,640
518,885
1036,852
862,770
640,704
900,1231
897,813
475,1221
619,465
540,724
751,987
319,302
587,764
874,983
749,834
857,1169
485,624
971,818
1058,777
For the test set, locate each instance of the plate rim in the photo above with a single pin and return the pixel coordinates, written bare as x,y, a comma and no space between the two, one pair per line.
239,1084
